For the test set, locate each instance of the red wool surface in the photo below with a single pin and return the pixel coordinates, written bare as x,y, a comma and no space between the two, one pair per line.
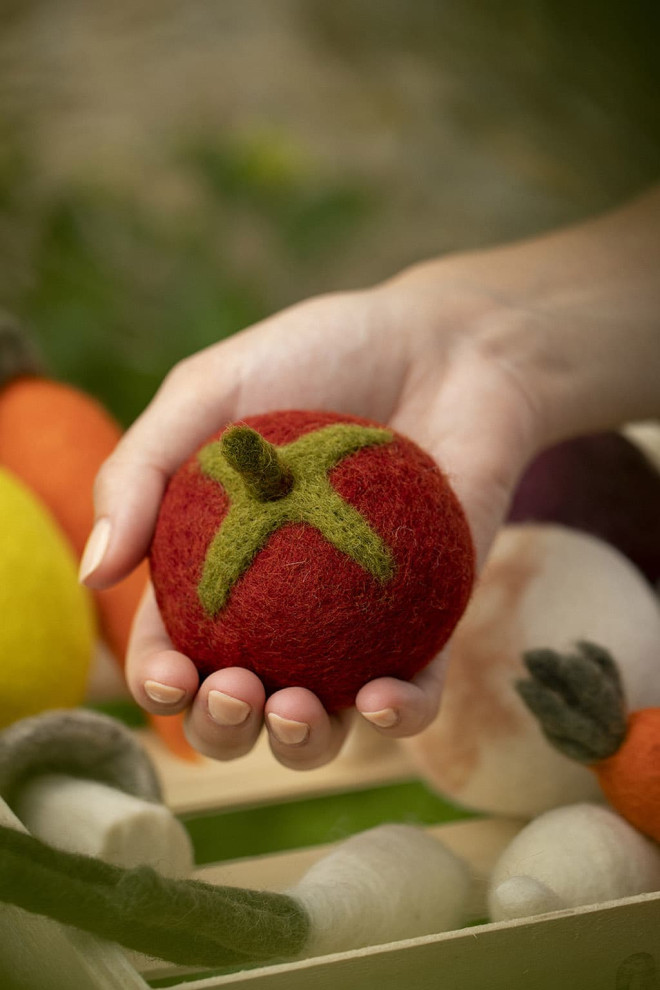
305,614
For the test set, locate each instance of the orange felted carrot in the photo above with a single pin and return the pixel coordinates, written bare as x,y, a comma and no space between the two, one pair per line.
578,700
630,777
55,438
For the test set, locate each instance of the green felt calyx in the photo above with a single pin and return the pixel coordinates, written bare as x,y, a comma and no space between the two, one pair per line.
264,472
577,699
269,486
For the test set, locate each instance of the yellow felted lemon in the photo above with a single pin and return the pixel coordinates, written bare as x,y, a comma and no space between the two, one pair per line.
46,620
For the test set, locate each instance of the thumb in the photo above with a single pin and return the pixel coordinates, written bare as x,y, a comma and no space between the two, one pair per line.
195,399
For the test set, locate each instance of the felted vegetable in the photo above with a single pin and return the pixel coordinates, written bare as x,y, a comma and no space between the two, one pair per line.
313,548
47,629
579,702
586,853
55,438
80,781
378,886
546,585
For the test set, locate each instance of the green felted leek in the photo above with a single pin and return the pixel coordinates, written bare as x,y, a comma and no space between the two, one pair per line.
271,486
183,921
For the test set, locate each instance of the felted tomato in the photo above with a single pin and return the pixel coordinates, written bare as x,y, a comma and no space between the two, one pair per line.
315,549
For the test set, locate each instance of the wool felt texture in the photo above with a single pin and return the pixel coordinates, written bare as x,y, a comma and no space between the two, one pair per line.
577,699
84,816
78,743
570,856
601,484
55,439
542,586
305,612
183,921
580,705
276,486
630,778
47,629
388,883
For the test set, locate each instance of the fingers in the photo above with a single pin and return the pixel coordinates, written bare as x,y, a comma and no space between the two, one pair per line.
226,713
302,735
130,484
403,708
161,680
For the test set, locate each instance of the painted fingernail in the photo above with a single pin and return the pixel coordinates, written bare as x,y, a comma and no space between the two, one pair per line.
384,719
287,731
163,694
226,710
95,548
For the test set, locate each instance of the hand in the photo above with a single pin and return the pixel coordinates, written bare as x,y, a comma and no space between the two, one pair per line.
482,359
380,354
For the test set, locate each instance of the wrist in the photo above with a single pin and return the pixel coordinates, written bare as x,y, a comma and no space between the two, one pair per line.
571,317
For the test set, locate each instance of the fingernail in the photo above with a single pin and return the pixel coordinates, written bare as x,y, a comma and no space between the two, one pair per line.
226,710
384,719
95,548
163,694
287,731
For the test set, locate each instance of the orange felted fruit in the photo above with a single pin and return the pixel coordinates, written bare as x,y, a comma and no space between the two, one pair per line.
314,549
55,439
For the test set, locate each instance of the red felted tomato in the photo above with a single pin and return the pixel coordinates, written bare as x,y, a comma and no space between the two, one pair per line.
315,549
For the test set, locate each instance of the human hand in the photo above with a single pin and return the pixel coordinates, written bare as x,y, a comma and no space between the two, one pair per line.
481,359
379,353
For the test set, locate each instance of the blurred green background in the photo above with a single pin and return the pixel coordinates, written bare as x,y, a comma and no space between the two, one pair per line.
171,171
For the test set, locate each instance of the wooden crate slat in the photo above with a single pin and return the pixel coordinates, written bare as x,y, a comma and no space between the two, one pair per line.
616,945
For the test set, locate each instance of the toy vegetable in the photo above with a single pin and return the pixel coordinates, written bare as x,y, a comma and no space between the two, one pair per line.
375,887
47,622
313,548
55,438
586,853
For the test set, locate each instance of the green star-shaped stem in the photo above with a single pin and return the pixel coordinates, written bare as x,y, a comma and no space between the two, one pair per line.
270,486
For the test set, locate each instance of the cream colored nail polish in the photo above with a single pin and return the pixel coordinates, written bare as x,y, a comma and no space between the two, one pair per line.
163,694
384,719
95,548
226,710
286,730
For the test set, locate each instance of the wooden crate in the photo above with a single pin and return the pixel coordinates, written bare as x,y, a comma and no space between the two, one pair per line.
614,945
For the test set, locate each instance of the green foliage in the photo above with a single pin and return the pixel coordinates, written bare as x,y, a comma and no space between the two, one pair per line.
116,293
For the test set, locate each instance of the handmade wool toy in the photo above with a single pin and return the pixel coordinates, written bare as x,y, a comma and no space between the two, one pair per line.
546,588
55,438
80,781
375,887
47,630
586,853
313,548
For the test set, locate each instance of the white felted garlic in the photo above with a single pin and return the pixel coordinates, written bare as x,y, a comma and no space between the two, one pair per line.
544,586
579,854
391,882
